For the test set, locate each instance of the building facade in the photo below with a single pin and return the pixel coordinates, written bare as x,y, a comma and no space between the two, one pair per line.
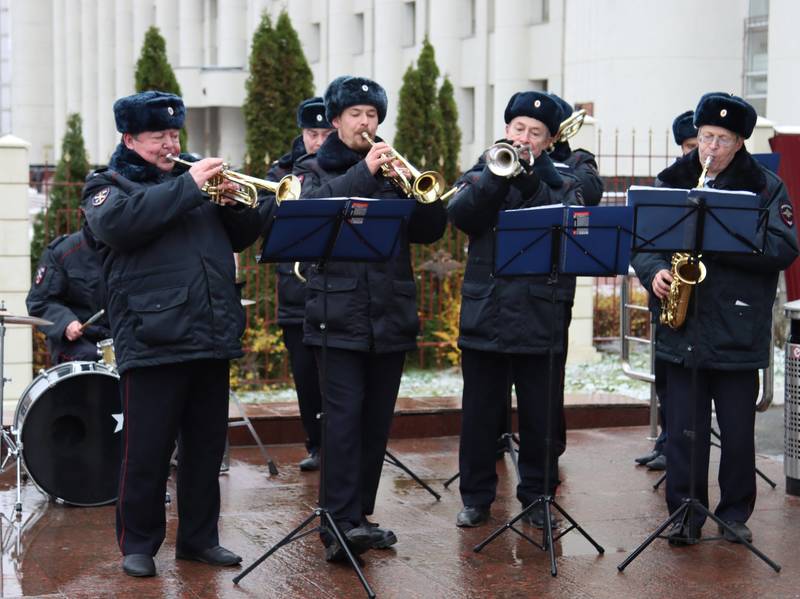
634,64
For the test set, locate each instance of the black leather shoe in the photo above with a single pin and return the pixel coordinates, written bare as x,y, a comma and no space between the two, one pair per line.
648,457
659,463
359,539
535,517
740,529
310,463
471,516
138,564
381,538
215,556
682,534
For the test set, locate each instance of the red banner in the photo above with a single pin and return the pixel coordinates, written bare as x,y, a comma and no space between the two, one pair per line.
788,146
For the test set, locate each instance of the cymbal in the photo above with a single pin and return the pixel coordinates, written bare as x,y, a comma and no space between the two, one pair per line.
248,302
30,320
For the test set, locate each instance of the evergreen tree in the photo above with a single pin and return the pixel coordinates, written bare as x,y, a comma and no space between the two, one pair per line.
451,148
419,120
61,214
279,80
153,71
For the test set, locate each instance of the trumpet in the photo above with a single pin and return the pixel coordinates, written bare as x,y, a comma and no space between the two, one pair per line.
426,187
504,160
287,188
570,126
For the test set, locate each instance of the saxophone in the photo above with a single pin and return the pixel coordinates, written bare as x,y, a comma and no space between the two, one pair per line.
686,273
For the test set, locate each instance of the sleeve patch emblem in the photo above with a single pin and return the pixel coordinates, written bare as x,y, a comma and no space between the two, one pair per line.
40,272
787,214
100,196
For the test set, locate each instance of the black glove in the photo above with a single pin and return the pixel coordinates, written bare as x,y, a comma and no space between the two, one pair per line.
527,182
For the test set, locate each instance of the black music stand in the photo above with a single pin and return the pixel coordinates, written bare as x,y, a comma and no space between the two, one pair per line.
335,229
553,240
699,222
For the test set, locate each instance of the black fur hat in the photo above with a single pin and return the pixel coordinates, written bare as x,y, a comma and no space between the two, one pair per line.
683,127
311,114
536,105
149,111
346,91
566,107
725,110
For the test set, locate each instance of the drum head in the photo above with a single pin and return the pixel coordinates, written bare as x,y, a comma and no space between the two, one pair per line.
72,436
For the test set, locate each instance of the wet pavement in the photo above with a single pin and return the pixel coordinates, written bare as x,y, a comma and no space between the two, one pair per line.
65,551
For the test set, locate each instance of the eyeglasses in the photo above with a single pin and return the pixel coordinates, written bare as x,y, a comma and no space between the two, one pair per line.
724,141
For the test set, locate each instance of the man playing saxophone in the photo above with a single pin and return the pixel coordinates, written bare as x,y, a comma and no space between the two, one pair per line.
730,340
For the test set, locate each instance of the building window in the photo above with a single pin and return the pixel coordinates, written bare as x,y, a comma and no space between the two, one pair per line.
409,24
756,55
358,34
538,12
466,114
314,43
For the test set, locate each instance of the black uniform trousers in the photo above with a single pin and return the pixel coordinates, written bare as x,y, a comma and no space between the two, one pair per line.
485,379
361,392
734,393
306,382
660,373
187,401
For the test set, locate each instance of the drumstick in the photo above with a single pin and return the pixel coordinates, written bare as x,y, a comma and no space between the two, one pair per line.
93,318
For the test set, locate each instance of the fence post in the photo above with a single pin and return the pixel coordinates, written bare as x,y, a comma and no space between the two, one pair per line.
15,261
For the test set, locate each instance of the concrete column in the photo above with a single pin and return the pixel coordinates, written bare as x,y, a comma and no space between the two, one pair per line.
106,130
89,51
124,57
231,28
581,330
73,62
190,33
231,133
167,22
142,20
59,78
15,279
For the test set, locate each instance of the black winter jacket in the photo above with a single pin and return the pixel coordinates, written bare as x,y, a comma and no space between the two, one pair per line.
733,331
582,165
509,314
371,306
291,290
167,255
68,285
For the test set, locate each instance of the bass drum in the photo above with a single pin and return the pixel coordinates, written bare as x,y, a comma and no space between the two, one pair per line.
70,423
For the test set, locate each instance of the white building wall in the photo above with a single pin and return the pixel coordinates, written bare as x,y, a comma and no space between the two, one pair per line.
640,63
783,83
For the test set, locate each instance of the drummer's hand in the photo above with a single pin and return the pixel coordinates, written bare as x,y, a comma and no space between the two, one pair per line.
73,331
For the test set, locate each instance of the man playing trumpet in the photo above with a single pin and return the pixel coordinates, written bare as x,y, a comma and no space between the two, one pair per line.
176,318
505,325
371,315
730,340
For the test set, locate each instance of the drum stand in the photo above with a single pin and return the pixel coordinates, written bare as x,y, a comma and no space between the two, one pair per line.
9,438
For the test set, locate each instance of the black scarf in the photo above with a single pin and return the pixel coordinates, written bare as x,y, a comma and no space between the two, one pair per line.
334,155
130,165
742,174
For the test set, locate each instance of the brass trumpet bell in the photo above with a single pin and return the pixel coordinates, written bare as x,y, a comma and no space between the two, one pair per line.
246,193
504,160
426,186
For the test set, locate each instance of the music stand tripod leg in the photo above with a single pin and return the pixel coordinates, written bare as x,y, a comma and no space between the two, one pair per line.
391,459
273,469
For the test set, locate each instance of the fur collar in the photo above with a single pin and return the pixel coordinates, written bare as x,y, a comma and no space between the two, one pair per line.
334,156
742,174
298,149
133,167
